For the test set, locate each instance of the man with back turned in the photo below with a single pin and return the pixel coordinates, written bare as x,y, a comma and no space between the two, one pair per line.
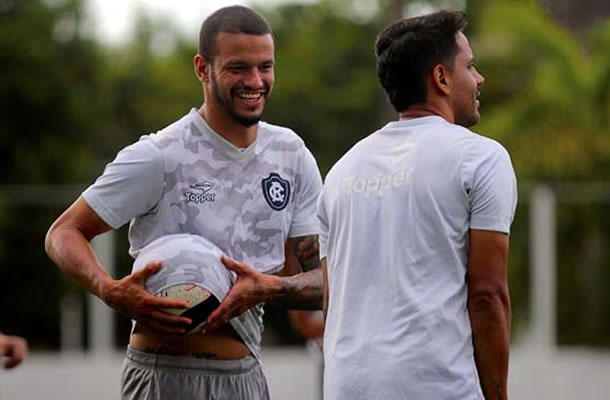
414,233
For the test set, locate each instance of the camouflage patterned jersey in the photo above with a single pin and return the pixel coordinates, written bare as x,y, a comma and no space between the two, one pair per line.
188,179
188,259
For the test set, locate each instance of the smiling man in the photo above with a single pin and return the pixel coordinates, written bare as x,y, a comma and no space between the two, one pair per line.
414,233
248,187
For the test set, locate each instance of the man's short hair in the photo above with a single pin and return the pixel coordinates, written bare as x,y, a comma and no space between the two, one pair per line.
233,19
408,50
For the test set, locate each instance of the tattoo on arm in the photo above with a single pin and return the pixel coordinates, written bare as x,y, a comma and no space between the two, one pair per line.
307,252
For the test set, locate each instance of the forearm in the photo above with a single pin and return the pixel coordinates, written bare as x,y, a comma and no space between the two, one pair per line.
490,321
301,291
300,287
72,253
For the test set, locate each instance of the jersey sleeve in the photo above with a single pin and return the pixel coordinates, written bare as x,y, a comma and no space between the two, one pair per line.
304,221
130,186
493,190
323,225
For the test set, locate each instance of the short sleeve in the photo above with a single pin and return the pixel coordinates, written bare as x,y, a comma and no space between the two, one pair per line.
130,186
493,191
304,221
323,226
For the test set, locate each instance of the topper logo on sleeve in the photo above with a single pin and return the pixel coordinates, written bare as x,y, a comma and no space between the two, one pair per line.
276,191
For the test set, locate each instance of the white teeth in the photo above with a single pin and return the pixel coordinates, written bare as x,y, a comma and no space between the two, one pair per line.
249,96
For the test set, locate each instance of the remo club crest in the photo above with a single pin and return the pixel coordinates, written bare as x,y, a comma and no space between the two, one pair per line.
276,191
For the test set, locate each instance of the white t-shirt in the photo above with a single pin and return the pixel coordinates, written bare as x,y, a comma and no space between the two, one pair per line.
188,179
395,214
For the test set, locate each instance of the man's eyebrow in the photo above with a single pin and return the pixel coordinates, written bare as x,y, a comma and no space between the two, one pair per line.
236,62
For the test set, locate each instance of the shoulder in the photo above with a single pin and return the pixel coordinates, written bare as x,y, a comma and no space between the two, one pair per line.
280,135
144,151
483,147
470,147
485,158
351,158
475,141
176,131
281,143
180,143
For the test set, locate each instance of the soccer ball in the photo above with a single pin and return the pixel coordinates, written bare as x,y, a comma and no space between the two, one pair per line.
191,270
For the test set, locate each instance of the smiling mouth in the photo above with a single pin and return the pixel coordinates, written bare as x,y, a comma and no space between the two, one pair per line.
250,96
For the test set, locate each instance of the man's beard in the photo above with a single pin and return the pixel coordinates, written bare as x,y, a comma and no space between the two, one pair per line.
227,105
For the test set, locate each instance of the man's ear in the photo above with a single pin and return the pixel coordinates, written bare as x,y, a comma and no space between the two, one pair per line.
202,68
441,79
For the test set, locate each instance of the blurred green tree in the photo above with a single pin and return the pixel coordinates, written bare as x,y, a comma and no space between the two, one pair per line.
326,88
545,96
546,99
50,110
49,92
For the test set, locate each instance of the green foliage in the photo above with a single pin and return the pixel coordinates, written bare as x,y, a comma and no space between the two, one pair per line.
48,93
49,111
583,299
546,99
326,88
144,90
542,93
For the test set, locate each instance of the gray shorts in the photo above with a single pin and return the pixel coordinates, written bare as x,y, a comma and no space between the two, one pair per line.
148,376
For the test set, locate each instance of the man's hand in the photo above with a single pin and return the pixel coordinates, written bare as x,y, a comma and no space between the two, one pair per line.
130,297
250,289
14,348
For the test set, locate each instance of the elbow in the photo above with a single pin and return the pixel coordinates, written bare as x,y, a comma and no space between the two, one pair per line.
49,239
52,239
489,296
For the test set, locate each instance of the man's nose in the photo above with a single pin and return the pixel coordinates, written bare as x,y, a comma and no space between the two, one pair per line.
254,79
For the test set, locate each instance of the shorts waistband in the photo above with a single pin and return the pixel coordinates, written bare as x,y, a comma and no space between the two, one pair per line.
207,366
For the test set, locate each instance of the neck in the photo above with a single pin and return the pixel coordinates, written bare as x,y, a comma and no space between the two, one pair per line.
427,110
236,133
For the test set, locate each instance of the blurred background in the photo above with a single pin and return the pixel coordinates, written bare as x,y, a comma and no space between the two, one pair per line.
80,79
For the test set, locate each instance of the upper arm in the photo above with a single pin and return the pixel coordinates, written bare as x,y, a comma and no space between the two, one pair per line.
79,217
487,263
306,251
301,255
131,185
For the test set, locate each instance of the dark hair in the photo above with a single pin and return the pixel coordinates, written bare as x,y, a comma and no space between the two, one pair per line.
409,49
233,19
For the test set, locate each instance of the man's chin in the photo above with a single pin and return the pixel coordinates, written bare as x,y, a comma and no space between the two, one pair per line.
468,121
247,121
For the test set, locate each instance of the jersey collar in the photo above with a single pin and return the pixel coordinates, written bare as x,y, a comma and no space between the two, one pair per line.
223,144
